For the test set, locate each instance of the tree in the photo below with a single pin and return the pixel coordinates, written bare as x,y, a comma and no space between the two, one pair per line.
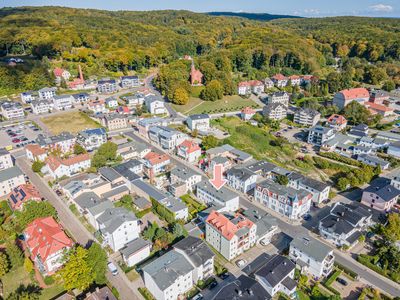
97,261
33,210
282,180
181,96
178,230
98,161
392,229
37,166
209,142
213,91
160,233
4,264
107,151
29,292
15,254
389,85
209,71
78,149
76,273
28,265
150,231
356,113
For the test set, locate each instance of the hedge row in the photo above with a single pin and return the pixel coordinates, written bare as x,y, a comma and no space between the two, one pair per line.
341,158
349,272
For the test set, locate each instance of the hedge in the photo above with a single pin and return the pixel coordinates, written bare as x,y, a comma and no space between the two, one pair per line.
341,158
332,278
163,212
142,213
349,272
366,261
146,293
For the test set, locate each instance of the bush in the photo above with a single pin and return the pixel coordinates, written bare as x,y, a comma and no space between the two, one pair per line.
349,272
49,280
341,158
332,277
146,293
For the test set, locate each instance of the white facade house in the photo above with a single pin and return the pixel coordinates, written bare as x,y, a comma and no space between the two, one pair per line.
130,81
136,251
286,201
252,86
224,197
241,179
319,135
155,105
230,236
112,102
168,138
12,110
118,227
275,111
6,161
135,100
313,257
57,167
278,97
47,93
10,178
186,175
199,122
319,190
91,139
107,86
64,142
306,117
27,97
189,151
63,102
42,106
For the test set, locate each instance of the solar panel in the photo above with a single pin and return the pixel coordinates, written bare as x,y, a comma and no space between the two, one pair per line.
23,194
14,200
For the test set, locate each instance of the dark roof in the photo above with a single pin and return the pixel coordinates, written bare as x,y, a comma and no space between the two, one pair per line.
256,264
109,173
241,173
196,249
309,182
149,190
142,203
276,269
199,117
261,166
125,169
386,192
354,237
134,246
243,288
104,81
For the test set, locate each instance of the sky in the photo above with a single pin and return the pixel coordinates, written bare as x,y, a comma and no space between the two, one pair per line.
306,8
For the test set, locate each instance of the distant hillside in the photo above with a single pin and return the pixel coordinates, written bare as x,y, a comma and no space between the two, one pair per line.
252,16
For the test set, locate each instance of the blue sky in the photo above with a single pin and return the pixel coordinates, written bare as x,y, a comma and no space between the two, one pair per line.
309,8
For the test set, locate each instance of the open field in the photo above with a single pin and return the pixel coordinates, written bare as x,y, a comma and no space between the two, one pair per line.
72,122
13,279
226,104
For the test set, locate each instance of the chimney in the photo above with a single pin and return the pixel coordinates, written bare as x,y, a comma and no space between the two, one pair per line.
80,72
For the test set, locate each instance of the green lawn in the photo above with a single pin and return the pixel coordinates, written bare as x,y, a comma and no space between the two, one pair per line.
13,279
72,122
226,104
51,292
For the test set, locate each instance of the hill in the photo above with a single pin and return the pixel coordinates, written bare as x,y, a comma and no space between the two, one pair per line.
252,16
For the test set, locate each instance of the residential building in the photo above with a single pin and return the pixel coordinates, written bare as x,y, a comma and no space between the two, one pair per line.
6,160
252,86
196,77
118,227
223,197
230,236
168,138
176,206
284,200
185,175
319,190
63,142
91,139
111,103
199,122
145,124
312,256
10,178
81,98
114,121
91,206
22,194
373,161
27,97
229,152
294,80
268,83
275,111
47,244
130,81
359,131
155,164
278,97
381,109
277,275
189,151
133,149
319,135
344,97
381,195
169,276
136,251
379,97
178,189
61,74
42,106
337,122
241,179
306,117
12,110
345,224
35,152
103,293
47,93
394,149
135,100
97,106
247,113
199,255
280,80
155,105
63,102
57,167
107,86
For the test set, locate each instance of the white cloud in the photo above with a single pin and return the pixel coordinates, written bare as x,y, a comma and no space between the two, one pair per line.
381,8
312,11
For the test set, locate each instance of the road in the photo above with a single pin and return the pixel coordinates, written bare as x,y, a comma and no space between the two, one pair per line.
367,275
126,289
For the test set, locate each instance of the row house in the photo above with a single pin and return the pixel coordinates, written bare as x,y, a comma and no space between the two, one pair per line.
278,97
107,86
230,236
275,111
12,110
42,106
373,161
63,102
241,179
92,139
252,86
63,142
129,81
57,167
166,137
306,117
189,151
47,93
284,200
200,122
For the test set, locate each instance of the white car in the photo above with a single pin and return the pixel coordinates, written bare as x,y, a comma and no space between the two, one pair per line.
240,263
113,269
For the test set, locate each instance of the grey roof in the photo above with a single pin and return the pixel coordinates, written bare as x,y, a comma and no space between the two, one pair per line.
126,170
116,191
87,199
308,111
199,117
241,155
113,218
184,173
273,106
281,190
134,246
4,151
309,182
261,166
149,190
322,129
100,207
387,135
141,202
281,171
222,194
109,173
276,269
386,192
173,204
289,283
10,173
242,174
220,160
374,159
63,136
166,269
311,247
48,89
264,225
196,249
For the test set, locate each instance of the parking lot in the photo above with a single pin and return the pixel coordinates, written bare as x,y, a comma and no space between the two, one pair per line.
18,135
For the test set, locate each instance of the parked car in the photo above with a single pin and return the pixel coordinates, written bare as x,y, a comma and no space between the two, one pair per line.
264,242
16,140
307,217
224,276
342,281
213,285
113,269
198,297
240,263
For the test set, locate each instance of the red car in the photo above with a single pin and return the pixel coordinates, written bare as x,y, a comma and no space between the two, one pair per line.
16,140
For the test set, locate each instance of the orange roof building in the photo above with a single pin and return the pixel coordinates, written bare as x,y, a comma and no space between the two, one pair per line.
230,236
35,152
381,109
344,97
22,194
247,113
189,150
155,163
338,122
58,167
47,243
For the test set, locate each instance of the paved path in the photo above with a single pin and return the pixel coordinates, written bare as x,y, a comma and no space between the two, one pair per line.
126,289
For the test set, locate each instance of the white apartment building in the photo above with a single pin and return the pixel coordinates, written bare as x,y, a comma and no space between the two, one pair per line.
230,236
199,122
107,86
65,142
241,179
10,178
47,93
189,151
91,139
155,105
27,97
306,117
130,81
166,137
319,190
185,175
63,102
42,106
223,197
6,160
278,97
12,110
57,167
275,111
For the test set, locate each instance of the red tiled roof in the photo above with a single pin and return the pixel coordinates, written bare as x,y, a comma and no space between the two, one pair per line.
35,149
337,119
54,162
22,194
251,83
225,226
58,72
378,107
46,237
248,110
355,93
294,77
279,77
190,146
155,158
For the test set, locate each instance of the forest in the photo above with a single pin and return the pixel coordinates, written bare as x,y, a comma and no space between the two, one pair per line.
113,43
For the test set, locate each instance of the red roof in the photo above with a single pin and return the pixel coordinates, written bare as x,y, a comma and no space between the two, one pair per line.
190,146
22,194
44,237
251,83
35,149
225,226
58,72
248,111
355,93
294,77
96,102
279,77
154,158
54,162
337,120
123,109
378,107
